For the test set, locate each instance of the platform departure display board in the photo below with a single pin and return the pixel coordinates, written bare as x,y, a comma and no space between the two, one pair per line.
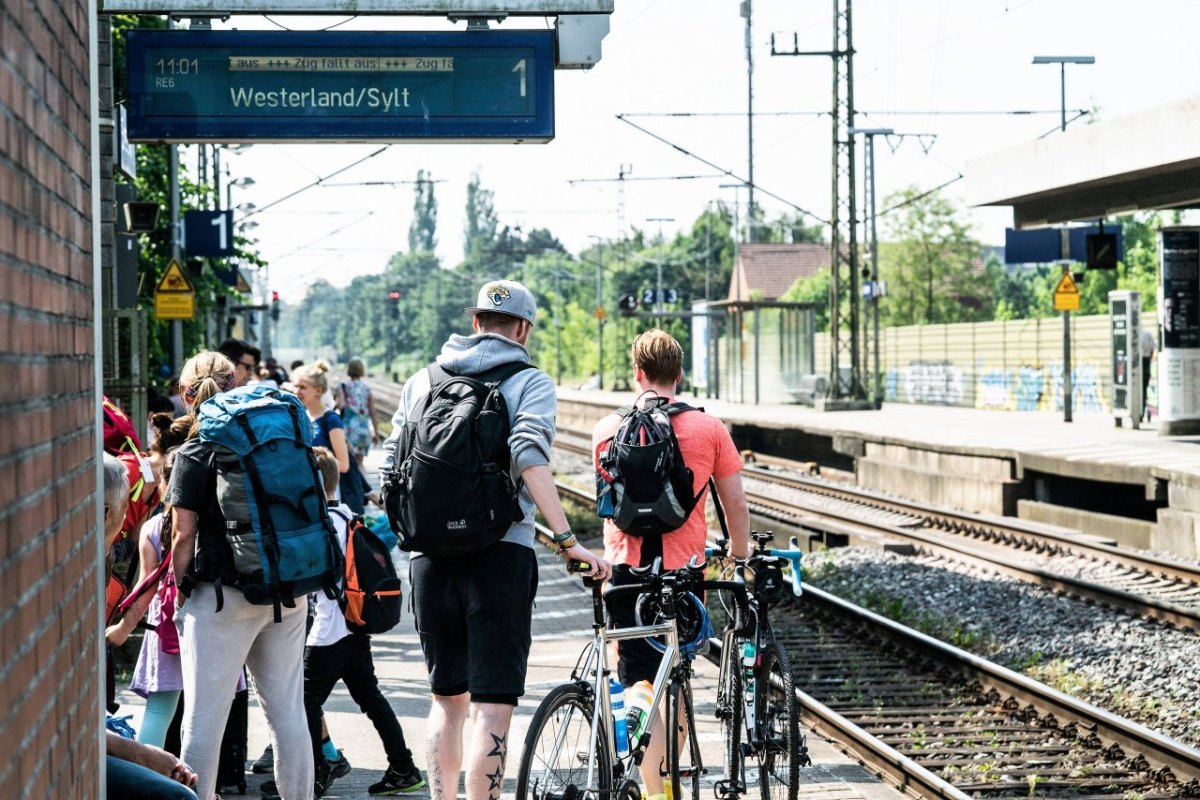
328,86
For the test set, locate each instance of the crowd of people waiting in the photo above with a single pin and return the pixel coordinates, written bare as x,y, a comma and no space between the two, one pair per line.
473,613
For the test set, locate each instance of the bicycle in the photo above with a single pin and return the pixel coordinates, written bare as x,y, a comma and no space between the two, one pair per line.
755,693
570,751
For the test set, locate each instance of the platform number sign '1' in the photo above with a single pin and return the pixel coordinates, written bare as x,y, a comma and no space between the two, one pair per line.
208,234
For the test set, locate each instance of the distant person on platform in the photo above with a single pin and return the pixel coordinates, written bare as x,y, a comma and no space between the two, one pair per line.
1147,345
278,373
244,357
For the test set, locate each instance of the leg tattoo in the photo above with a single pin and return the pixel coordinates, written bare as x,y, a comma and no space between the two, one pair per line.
496,778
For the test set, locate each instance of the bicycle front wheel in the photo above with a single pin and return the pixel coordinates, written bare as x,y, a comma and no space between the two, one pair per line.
779,721
560,746
684,765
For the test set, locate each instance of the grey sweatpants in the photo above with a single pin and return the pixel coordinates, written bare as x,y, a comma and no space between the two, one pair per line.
212,648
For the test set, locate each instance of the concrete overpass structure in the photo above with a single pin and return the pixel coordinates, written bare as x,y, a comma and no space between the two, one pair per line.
1146,160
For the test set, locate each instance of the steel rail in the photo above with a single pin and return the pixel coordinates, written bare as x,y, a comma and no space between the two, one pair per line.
1157,749
994,558
971,523
904,773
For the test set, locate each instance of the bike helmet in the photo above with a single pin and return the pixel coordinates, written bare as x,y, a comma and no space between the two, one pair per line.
695,628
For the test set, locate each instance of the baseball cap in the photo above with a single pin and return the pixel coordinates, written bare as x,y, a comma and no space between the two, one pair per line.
505,297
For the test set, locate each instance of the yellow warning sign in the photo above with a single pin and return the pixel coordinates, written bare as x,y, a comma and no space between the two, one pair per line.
174,279
1066,294
175,305
174,297
242,286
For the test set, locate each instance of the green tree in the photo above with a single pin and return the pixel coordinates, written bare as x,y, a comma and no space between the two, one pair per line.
790,229
813,289
932,268
422,233
479,229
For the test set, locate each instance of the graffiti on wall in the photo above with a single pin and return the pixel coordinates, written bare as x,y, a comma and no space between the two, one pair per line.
1018,389
933,383
1029,388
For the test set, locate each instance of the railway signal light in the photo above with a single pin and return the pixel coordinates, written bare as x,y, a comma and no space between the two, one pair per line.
275,306
627,305
394,303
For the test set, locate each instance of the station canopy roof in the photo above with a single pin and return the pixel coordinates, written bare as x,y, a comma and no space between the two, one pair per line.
1147,160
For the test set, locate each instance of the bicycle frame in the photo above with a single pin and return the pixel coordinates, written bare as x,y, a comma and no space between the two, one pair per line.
751,624
593,670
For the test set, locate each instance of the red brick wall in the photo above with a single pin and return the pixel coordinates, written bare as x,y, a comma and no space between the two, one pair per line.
49,683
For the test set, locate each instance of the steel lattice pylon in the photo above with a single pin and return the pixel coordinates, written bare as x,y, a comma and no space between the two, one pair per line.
845,378
846,368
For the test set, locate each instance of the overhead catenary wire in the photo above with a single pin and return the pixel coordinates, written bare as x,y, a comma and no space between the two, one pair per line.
317,182
724,172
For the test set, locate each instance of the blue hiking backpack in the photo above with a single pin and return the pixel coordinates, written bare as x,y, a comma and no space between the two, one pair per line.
271,496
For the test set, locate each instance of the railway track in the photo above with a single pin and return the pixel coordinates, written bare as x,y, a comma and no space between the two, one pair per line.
944,723
1139,583
1056,559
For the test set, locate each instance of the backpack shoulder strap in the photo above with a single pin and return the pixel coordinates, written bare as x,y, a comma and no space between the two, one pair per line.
502,372
437,376
678,407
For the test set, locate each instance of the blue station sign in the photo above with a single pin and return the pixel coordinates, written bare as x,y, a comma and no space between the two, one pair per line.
333,86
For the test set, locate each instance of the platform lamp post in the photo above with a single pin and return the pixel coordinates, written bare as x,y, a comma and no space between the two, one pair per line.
1062,62
870,134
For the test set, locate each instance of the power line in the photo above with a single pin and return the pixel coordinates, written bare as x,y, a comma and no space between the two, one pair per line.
574,181
966,112
317,182
724,172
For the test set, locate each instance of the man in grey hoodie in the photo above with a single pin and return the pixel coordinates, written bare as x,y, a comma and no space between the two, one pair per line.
474,613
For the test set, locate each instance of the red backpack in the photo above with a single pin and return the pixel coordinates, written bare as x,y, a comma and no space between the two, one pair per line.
120,436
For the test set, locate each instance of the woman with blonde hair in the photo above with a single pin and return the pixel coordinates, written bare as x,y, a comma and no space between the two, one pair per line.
329,431
221,630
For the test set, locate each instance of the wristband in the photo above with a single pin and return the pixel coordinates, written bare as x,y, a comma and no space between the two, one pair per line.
559,538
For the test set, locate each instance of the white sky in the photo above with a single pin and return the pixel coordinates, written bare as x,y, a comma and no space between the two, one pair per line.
688,56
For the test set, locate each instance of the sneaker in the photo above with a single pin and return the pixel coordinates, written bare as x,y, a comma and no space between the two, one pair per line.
339,768
264,764
324,778
269,790
397,782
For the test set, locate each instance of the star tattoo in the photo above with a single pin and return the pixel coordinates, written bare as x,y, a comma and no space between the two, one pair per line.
498,746
496,778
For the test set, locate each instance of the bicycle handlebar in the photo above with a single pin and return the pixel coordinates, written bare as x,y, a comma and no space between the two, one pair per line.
793,555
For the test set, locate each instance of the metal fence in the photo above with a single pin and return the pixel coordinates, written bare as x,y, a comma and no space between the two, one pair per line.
1014,365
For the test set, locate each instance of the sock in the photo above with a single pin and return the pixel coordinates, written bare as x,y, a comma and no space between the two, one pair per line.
330,752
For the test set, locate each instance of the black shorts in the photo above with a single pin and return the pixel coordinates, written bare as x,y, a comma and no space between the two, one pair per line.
638,660
474,616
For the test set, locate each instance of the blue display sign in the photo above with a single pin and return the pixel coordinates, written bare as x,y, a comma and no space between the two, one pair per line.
329,86
1044,245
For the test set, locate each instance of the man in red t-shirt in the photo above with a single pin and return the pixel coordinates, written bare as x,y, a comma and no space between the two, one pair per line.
708,451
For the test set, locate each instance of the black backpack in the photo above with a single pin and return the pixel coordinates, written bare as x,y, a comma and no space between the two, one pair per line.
449,491
642,483
372,593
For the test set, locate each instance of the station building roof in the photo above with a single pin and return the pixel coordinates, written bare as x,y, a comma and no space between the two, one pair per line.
765,270
1146,160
